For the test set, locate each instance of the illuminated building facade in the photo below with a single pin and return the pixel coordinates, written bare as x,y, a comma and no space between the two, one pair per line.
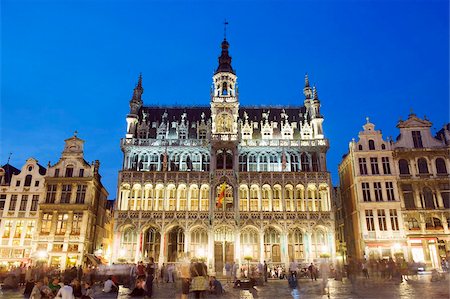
276,205
373,226
396,195
20,193
72,217
423,165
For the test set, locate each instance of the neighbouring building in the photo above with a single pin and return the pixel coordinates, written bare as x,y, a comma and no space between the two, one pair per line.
396,195
339,233
423,164
20,193
224,182
72,218
373,226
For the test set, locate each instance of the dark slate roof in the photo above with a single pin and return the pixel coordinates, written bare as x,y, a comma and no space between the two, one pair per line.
9,171
42,169
193,114
295,113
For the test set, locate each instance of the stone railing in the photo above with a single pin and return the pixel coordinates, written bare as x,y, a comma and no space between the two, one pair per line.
260,215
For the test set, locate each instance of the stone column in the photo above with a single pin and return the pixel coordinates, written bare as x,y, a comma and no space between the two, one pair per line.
237,246
417,199
187,241
211,260
331,245
439,200
284,249
162,246
308,246
262,254
137,256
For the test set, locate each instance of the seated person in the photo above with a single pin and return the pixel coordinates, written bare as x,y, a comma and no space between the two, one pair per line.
215,287
138,289
110,286
10,283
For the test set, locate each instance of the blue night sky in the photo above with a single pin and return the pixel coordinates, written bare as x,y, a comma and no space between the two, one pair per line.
72,65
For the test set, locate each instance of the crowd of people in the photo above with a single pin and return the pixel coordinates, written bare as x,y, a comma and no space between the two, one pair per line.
42,282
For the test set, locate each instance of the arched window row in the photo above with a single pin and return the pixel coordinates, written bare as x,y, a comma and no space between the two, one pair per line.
423,166
288,198
168,161
284,161
165,198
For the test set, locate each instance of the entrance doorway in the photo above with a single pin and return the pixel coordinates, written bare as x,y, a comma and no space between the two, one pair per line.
223,248
175,244
223,253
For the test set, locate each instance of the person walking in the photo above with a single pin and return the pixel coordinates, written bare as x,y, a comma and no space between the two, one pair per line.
228,269
325,273
66,292
265,271
312,272
364,269
150,276
293,268
185,277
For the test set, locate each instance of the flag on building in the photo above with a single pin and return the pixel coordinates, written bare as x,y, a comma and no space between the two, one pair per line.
221,196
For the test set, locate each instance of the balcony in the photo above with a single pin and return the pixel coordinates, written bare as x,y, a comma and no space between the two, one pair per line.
162,142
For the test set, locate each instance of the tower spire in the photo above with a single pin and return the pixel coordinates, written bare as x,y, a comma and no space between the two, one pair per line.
315,96
306,80
225,58
225,23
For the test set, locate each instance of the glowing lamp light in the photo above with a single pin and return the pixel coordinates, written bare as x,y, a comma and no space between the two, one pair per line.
247,250
200,252
122,252
397,247
41,254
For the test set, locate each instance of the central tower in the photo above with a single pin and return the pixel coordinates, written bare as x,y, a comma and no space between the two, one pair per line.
224,99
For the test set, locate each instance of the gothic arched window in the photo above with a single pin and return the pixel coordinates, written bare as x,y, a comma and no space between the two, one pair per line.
219,160
422,165
224,89
305,162
371,145
428,198
440,166
403,166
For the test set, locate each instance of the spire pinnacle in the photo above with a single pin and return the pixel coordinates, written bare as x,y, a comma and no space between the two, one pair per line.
138,90
139,84
315,96
306,80
225,58
225,23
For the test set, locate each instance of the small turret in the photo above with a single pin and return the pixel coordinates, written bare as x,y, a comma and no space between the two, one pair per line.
136,100
307,89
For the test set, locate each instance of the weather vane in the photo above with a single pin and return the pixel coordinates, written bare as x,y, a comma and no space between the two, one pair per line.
225,23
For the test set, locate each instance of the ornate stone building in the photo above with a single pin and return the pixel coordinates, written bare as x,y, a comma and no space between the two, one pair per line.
396,195
223,181
20,193
73,216
423,165
373,224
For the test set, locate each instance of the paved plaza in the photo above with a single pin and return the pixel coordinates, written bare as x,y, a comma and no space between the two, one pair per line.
277,289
